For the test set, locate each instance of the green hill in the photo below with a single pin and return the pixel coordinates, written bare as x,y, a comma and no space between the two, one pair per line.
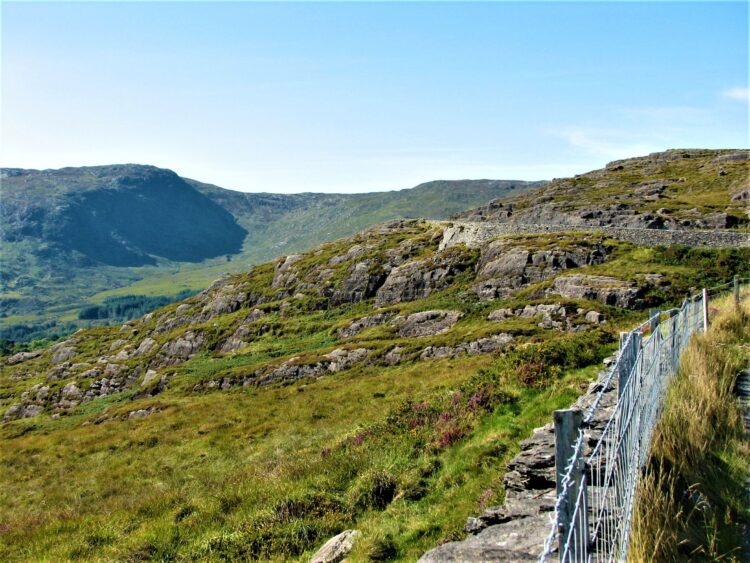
75,237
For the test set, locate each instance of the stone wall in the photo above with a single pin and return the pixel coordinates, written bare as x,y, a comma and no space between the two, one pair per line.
474,234
517,530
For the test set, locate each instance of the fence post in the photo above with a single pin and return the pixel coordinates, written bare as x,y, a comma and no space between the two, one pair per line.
705,310
737,292
567,425
653,319
628,355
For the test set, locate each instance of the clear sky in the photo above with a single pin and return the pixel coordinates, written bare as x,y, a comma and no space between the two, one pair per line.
348,97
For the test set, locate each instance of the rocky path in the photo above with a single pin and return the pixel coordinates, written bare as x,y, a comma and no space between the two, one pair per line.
516,531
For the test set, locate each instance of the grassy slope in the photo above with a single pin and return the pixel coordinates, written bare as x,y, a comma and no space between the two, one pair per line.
404,453
692,503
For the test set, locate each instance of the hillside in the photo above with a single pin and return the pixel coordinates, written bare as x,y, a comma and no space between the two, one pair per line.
676,189
379,382
74,237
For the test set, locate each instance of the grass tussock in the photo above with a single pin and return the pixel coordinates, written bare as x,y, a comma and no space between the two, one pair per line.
692,502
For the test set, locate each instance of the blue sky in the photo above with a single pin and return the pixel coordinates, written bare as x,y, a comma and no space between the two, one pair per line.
350,97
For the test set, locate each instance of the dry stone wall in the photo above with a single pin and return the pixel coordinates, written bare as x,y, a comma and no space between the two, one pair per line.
474,234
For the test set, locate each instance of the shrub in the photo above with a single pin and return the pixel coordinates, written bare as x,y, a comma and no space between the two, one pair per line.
373,489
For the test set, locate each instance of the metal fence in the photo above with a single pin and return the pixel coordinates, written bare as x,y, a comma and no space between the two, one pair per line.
600,451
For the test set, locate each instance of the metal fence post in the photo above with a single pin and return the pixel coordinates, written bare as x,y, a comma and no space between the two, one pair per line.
567,425
705,310
737,292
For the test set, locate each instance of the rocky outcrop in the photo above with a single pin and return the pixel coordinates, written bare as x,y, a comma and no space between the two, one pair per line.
487,345
355,327
178,350
553,316
605,289
342,359
337,548
23,357
420,278
504,268
426,323
361,282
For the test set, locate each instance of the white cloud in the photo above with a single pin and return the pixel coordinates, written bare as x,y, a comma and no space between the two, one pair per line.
737,94
605,143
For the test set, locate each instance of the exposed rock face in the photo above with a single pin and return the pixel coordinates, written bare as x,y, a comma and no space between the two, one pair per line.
487,345
426,323
342,359
19,410
420,278
355,327
362,282
337,548
179,350
285,275
63,354
504,268
23,357
605,289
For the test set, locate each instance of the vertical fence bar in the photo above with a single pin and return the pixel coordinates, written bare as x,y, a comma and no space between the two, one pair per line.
737,292
567,425
705,310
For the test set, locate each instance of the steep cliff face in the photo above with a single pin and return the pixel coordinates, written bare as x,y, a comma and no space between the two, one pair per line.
676,189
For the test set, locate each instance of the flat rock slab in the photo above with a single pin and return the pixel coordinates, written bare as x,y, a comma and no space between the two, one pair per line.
517,540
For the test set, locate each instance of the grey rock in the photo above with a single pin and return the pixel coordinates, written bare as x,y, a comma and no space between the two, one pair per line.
19,410
420,278
71,392
336,548
342,359
594,317
362,282
500,315
64,354
180,349
605,289
357,326
426,323
147,346
150,376
23,357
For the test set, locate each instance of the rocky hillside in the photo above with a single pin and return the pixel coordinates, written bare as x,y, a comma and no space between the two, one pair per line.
676,189
72,233
378,383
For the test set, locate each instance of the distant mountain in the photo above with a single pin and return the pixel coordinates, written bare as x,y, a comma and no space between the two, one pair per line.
69,234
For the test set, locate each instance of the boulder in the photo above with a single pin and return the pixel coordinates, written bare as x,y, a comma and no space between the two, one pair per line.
420,278
426,323
361,282
504,268
64,354
605,289
19,410
355,327
342,359
23,357
337,548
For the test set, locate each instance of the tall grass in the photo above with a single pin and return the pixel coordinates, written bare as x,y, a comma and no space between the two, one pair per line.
692,503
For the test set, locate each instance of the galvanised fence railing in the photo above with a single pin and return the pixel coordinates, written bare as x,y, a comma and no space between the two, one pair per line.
601,451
